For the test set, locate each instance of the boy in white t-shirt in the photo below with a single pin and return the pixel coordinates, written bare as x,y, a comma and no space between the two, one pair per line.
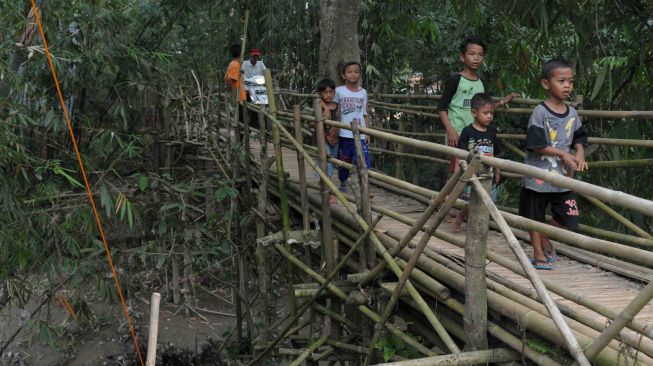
352,101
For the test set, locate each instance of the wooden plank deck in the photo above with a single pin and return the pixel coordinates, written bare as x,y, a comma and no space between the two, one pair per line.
606,288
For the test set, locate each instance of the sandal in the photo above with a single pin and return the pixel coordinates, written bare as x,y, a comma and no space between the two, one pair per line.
544,265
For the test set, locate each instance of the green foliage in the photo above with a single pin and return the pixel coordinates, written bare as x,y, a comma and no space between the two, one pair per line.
392,345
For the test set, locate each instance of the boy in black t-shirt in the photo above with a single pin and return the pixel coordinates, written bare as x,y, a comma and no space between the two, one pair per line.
482,136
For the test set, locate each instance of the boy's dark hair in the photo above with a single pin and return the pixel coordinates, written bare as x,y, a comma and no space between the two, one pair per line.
234,50
472,40
323,84
360,68
481,99
556,63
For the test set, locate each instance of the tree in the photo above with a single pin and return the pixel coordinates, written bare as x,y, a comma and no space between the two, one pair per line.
338,36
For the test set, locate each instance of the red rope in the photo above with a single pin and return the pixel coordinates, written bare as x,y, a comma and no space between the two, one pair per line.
88,187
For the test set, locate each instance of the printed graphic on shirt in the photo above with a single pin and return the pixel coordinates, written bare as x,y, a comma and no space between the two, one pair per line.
350,105
467,95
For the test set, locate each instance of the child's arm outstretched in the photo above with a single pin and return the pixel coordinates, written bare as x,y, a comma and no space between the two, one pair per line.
506,100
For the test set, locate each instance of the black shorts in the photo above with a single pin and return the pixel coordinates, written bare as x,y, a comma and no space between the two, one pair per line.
532,205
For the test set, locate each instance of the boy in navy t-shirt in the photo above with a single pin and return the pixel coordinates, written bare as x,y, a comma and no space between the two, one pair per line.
483,137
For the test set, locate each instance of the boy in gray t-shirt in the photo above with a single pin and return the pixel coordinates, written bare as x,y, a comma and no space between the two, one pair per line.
553,129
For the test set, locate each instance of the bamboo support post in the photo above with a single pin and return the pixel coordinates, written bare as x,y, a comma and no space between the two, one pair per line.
399,161
154,329
264,279
475,318
306,216
327,235
624,317
298,361
368,257
572,343
461,359
281,177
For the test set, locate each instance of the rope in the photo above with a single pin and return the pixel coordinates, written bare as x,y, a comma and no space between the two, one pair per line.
86,183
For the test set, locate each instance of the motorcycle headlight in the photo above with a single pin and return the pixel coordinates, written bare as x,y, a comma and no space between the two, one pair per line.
259,80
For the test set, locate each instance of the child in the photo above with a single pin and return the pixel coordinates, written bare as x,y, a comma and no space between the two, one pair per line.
482,136
352,101
553,128
453,107
326,89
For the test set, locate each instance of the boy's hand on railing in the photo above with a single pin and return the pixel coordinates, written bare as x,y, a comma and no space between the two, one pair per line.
569,160
509,98
582,164
367,139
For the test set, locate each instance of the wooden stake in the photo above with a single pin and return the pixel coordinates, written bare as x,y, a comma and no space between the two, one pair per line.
327,233
306,216
154,329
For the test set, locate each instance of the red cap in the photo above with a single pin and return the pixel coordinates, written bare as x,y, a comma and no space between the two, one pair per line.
255,52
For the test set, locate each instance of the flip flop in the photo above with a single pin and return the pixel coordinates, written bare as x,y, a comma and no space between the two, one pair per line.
544,265
552,258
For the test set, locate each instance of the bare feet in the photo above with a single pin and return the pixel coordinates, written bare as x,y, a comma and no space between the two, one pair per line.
458,221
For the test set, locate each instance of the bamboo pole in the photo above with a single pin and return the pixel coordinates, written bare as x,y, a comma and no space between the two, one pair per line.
460,359
368,259
281,177
327,235
298,361
261,260
475,317
361,222
572,343
403,278
624,317
399,148
154,329
301,170
617,216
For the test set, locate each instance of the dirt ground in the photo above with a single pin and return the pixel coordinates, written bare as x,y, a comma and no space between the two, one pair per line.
105,340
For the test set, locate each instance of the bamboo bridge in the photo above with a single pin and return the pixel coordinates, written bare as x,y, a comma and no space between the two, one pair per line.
380,263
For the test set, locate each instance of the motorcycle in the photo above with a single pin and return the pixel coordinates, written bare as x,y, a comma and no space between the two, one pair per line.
257,91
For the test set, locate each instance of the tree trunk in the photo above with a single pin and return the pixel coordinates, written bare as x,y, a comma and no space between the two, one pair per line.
338,36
